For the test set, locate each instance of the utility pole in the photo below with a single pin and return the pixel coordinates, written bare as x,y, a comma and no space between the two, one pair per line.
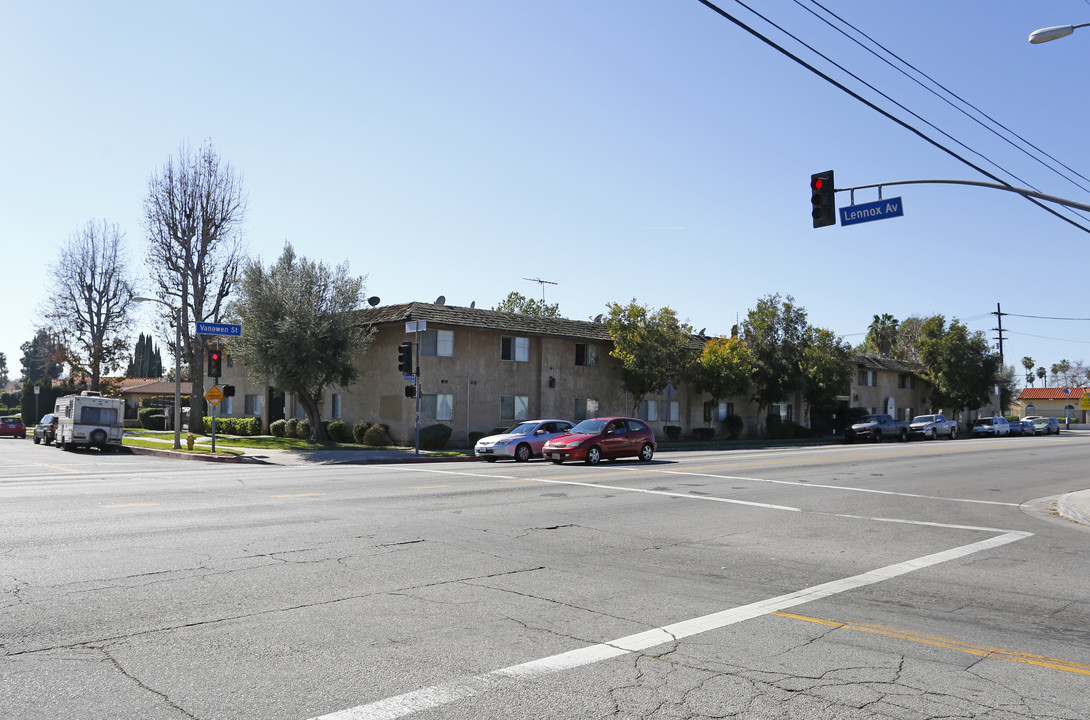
999,321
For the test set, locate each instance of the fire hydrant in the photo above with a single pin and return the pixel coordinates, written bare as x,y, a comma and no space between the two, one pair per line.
189,440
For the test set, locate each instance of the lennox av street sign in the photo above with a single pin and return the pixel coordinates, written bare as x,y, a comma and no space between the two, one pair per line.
879,210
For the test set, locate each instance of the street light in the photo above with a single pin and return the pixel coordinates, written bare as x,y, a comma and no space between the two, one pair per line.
1053,33
177,369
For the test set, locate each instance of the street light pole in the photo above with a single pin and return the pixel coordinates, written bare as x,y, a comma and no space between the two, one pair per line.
1054,33
177,369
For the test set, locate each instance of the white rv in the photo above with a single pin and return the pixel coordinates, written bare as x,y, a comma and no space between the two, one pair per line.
88,419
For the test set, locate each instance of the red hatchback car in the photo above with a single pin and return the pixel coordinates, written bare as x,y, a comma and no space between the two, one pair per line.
597,438
11,425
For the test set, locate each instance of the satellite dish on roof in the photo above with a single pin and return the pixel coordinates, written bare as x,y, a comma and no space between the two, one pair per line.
373,300
473,305
598,318
441,300
701,333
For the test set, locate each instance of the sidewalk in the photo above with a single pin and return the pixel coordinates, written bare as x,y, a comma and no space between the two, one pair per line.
1075,506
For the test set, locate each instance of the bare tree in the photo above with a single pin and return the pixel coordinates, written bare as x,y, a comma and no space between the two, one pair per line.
194,212
88,303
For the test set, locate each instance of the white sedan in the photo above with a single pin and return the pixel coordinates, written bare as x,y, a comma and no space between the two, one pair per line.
521,441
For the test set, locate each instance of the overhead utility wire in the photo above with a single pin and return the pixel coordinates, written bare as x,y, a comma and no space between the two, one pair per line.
715,8
947,100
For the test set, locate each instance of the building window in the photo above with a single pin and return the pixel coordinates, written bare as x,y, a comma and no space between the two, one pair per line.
230,360
586,354
654,410
868,378
585,408
904,381
514,407
335,401
726,409
437,407
515,348
437,343
253,404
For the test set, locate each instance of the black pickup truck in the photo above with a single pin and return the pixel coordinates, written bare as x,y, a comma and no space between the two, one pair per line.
877,428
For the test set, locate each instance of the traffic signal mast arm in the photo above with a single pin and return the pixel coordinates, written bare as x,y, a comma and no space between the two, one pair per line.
994,186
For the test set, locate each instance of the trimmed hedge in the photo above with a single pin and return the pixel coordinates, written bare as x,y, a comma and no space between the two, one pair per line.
278,428
247,427
434,437
152,419
377,436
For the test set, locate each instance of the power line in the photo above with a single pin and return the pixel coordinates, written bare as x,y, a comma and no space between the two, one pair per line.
784,51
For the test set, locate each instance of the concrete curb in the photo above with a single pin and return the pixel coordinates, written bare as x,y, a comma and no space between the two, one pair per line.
1075,506
184,456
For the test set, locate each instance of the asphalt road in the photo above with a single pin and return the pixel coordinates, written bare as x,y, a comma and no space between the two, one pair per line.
921,580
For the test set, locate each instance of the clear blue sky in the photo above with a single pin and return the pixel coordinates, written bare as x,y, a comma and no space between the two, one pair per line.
648,150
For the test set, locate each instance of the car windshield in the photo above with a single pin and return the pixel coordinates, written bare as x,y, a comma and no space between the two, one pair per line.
521,429
868,419
984,421
923,418
589,427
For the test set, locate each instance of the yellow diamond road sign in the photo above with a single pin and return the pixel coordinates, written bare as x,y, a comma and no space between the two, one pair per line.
214,395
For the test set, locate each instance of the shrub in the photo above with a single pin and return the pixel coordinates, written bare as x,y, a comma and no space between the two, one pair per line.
434,437
703,434
291,429
337,431
152,419
302,429
774,425
673,432
278,428
733,426
377,436
359,429
474,437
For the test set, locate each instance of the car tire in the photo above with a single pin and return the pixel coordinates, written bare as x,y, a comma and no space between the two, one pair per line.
934,434
646,452
953,434
556,462
37,440
594,455
877,436
523,453
490,459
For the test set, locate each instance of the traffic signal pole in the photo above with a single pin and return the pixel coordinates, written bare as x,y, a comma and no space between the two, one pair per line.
416,392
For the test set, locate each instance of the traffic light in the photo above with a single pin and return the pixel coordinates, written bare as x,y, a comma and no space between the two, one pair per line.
823,197
405,357
410,391
228,390
215,363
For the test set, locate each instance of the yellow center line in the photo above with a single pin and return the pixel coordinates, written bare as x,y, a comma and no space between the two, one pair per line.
938,641
296,495
58,467
129,505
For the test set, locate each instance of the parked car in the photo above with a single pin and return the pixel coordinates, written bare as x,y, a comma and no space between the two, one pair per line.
597,438
1021,427
46,429
522,441
877,427
12,425
1043,425
932,427
995,426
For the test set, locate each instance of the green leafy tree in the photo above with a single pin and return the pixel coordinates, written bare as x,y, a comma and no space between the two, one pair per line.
1042,374
518,303
906,344
723,369
1007,380
882,334
146,359
652,347
301,335
43,357
777,334
3,370
960,365
826,367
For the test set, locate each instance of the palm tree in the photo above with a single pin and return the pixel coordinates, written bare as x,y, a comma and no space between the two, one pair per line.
1042,374
882,333
1027,363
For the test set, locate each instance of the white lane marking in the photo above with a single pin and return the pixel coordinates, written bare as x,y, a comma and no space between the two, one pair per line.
839,487
438,695
667,493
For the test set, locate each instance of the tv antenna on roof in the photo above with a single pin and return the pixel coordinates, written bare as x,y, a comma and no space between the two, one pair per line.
543,284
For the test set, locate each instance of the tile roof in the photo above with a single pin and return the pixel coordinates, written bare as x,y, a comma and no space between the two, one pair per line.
1052,393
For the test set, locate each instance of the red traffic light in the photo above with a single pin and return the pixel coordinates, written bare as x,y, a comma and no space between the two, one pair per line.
816,183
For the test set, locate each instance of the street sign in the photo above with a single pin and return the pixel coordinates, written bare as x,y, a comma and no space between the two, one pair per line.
218,329
1084,402
879,210
214,395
